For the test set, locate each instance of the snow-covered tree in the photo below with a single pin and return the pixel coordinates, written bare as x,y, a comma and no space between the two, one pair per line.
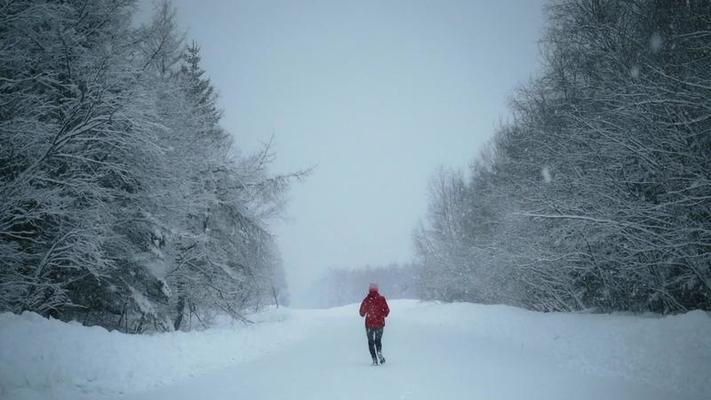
123,203
70,122
596,195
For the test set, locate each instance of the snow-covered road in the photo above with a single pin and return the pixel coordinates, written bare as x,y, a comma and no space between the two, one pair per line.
434,351
426,360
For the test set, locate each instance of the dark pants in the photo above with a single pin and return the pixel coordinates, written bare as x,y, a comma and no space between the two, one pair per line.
374,344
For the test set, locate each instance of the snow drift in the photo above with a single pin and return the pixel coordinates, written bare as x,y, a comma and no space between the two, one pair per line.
672,352
39,355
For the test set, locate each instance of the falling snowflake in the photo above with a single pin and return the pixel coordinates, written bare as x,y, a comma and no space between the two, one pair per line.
546,172
634,71
656,42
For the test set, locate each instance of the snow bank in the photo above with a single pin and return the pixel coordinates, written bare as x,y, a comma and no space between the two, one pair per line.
41,357
672,352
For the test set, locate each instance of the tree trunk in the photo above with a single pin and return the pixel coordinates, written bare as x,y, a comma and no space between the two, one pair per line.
180,309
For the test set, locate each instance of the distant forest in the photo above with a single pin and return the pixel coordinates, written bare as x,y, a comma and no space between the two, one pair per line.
597,194
123,203
341,286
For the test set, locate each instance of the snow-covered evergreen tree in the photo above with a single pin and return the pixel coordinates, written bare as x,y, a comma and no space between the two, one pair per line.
123,202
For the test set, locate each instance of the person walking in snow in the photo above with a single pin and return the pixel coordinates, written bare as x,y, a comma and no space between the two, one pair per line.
374,308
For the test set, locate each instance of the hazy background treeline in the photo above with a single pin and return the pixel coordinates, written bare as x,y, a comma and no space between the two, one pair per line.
597,193
122,201
341,286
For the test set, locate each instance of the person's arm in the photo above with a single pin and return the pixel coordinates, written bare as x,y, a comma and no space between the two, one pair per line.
386,309
362,308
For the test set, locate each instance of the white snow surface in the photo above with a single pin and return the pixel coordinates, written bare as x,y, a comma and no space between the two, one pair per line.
433,351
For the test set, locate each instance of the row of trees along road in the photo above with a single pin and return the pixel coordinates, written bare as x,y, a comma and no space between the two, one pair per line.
122,201
597,194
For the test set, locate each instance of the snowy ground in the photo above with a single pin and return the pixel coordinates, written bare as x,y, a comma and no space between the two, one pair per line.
434,351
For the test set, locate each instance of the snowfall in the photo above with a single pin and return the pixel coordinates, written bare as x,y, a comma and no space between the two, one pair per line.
433,351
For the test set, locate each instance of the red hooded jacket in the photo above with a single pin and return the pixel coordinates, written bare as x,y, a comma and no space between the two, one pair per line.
374,308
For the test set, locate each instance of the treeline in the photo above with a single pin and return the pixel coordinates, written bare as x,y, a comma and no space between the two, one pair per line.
341,286
597,194
123,203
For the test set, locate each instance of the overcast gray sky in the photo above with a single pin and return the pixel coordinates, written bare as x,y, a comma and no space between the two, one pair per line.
376,94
